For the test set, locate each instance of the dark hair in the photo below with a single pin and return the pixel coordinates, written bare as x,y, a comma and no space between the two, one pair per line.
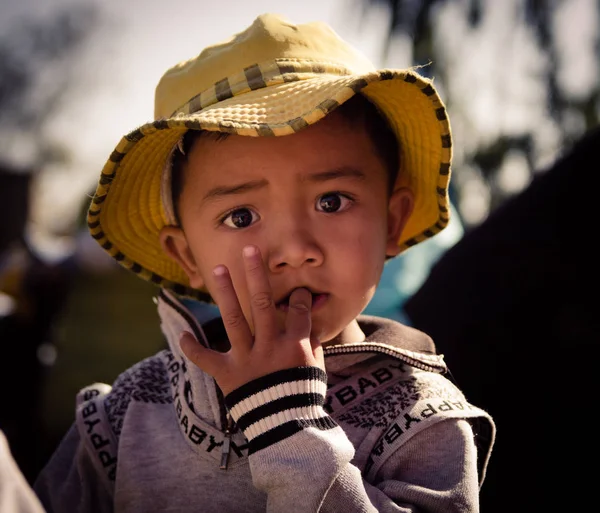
359,109
356,109
179,159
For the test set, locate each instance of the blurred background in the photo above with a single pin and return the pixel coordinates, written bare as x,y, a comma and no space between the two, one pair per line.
520,79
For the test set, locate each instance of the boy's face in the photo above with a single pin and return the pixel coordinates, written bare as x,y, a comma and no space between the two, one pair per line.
317,205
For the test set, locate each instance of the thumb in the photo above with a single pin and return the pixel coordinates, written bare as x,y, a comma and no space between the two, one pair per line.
298,321
206,359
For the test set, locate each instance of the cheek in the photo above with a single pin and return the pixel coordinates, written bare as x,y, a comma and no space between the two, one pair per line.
371,235
361,249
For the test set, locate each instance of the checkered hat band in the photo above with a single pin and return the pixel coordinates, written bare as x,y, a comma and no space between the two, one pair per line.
259,76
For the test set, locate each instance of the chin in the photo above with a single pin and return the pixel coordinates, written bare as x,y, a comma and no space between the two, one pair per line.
327,335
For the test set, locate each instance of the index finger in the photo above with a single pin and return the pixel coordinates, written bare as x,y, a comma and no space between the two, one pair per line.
226,298
264,314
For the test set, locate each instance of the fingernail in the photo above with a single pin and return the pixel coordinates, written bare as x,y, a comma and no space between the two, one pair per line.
250,251
220,270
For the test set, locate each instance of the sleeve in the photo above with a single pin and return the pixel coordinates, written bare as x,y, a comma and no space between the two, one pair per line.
16,495
70,482
443,478
302,459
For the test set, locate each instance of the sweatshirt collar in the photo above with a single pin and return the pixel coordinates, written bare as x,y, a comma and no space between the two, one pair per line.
382,336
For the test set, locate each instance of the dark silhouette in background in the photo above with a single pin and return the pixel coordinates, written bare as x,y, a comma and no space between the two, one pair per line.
514,307
32,296
14,207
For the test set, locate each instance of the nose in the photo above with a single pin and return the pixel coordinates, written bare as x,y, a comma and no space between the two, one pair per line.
294,244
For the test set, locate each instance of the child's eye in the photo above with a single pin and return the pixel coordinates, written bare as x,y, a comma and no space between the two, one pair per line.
333,202
240,218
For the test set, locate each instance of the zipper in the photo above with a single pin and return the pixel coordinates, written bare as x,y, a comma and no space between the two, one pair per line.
226,447
227,424
437,363
190,319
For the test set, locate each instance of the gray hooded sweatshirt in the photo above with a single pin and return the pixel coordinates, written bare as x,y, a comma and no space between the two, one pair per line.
383,430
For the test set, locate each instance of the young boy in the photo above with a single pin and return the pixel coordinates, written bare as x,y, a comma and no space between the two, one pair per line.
280,173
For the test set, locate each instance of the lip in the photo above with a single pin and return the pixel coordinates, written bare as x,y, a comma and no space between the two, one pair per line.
318,300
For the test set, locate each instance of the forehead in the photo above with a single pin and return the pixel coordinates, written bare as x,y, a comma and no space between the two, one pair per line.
332,143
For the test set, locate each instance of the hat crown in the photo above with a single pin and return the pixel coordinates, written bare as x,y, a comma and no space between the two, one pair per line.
270,37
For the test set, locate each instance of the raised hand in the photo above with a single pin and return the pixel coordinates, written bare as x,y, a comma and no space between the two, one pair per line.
270,348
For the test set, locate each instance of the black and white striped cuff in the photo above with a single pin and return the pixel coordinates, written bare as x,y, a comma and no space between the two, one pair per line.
278,405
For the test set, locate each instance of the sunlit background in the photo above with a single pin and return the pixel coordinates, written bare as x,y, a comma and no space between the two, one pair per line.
84,74
520,80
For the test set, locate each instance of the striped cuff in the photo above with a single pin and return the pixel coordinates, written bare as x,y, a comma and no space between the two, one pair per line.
278,405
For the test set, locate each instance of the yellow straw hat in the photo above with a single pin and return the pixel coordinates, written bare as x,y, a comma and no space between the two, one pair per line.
273,79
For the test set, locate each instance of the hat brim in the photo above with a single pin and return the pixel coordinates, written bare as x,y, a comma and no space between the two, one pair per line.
127,213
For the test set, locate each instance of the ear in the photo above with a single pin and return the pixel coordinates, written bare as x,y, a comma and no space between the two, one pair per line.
175,245
400,207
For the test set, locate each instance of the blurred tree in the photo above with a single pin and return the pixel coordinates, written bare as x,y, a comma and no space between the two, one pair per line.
524,81
37,71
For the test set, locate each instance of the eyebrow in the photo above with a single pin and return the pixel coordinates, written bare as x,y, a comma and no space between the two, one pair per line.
332,174
323,176
227,190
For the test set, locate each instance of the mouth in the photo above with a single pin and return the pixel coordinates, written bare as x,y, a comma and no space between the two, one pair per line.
318,298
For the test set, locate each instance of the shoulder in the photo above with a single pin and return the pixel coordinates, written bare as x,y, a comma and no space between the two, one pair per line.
400,405
101,408
147,381
425,401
